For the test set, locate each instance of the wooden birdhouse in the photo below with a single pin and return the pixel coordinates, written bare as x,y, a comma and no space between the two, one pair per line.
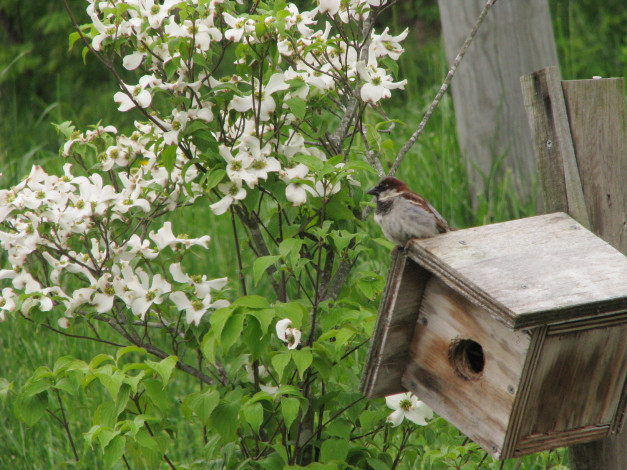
516,333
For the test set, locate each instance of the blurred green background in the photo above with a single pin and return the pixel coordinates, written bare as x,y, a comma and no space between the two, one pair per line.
42,82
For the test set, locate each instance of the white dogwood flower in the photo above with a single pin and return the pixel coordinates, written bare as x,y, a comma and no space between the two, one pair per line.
287,333
378,83
407,405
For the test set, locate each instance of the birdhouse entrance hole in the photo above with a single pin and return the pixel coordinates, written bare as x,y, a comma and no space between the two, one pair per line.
466,357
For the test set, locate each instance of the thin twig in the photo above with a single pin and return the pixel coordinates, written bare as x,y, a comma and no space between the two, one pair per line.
442,90
66,425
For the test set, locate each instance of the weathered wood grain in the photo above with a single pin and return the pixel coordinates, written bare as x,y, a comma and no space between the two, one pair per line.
480,408
578,382
517,416
398,310
516,39
530,272
555,155
596,114
598,124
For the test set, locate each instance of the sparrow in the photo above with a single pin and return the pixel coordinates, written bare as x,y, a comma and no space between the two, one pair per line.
403,214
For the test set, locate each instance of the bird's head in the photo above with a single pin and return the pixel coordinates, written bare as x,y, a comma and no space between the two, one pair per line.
388,187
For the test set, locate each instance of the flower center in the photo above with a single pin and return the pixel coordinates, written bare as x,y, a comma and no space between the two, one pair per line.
259,164
405,405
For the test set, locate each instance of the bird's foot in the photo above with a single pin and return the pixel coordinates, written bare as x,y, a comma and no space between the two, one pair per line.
406,247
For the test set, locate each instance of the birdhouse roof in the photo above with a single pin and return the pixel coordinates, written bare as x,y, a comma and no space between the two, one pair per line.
529,272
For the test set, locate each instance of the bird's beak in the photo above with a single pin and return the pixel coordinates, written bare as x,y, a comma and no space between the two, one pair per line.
374,191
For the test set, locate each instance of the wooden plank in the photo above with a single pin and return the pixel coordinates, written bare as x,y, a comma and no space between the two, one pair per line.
393,332
530,272
577,383
517,416
598,123
557,166
516,39
479,406
560,439
597,116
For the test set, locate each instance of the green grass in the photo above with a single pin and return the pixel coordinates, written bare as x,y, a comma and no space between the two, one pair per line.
434,168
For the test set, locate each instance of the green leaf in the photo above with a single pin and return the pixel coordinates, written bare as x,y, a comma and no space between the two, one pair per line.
215,177
114,450
388,245
128,349
224,419
158,395
338,210
99,359
264,316
290,246
289,409
295,311
219,318
144,439
359,165
297,106
341,428
31,409
252,301
73,38
208,347
334,449
289,390
133,380
260,396
302,358
256,341
112,380
370,284
65,363
164,368
231,331
261,264
168,156
377,464
105,414
69,384
201,405
280,361
368,419
311,161
253,414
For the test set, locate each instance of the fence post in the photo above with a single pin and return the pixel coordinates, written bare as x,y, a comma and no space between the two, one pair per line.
585,175
517,39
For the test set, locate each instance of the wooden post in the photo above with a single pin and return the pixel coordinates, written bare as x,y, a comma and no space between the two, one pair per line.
517,39
597,128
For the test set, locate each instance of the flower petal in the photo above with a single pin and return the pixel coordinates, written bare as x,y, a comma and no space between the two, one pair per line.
281,328
396,417
419,414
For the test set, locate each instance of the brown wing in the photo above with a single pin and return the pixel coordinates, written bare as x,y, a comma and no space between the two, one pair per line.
422,202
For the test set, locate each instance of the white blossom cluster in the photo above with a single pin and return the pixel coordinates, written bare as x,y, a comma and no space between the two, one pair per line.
89,236
80,244
251,112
